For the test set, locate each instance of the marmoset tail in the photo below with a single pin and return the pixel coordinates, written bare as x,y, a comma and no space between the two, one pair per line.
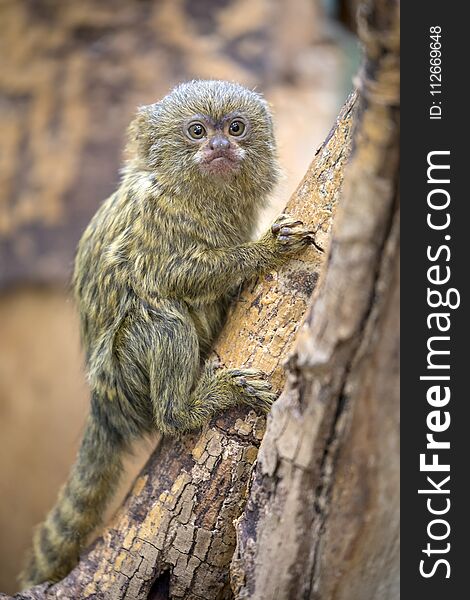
153,275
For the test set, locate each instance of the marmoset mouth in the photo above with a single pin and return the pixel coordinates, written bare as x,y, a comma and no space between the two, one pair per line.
220,162
215,154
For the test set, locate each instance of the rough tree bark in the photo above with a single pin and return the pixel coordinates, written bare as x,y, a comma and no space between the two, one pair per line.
322,520
174,536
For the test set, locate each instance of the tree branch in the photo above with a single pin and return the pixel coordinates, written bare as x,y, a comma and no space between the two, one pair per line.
322,519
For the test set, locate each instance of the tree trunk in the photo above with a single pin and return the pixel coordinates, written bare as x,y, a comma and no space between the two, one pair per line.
322,520
174,536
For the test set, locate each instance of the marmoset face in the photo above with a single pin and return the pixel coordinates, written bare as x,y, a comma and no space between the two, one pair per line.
218,143
209,132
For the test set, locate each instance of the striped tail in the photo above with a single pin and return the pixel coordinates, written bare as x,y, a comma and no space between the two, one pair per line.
95,475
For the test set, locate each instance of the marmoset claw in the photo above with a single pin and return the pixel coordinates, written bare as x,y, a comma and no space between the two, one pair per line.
284,223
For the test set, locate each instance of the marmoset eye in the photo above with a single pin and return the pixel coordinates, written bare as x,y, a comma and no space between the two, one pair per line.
197,131
237,127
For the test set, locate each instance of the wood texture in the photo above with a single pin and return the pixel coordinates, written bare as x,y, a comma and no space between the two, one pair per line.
322,518
174,536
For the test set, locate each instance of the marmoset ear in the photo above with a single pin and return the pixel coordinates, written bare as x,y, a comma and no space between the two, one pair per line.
140,134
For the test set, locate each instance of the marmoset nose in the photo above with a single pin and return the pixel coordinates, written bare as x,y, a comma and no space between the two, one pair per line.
219,142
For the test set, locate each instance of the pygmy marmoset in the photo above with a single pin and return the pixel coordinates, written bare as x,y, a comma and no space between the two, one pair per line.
153,274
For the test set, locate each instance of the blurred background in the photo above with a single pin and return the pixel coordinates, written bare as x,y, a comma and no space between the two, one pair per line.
71,77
